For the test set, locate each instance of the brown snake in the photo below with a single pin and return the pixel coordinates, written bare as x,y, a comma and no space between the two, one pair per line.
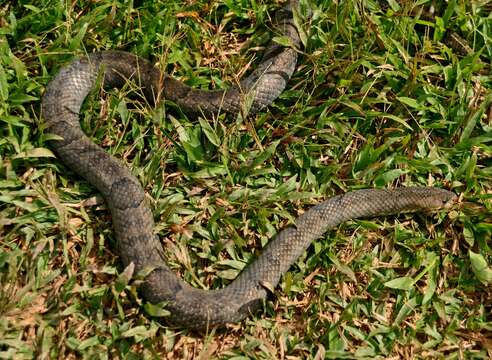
132,219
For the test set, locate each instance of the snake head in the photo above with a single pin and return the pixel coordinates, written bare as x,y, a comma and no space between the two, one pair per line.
440,199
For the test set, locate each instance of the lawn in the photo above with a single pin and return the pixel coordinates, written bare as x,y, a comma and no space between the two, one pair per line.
385,94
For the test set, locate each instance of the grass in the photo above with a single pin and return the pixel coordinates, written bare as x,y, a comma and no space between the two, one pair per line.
381,98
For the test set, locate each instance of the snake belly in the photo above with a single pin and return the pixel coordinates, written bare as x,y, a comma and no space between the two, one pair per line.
132,219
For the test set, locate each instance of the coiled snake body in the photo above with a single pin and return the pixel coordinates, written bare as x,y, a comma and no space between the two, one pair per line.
132,219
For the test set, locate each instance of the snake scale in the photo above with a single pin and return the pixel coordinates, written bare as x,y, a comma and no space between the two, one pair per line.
132,219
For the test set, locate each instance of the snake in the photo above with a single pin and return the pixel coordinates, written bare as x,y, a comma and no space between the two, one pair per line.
132,219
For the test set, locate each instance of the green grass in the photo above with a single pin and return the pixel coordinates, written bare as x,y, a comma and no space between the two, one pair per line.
380,98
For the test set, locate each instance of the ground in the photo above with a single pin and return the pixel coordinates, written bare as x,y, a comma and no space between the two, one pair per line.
385,94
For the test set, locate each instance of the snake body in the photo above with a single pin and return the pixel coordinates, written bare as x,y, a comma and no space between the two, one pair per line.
132,219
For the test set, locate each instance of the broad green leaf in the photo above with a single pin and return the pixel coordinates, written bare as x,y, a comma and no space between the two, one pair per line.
4,85
34,153
209,132
125,277
410,102
265,154
343,268
87,343
140,332
401,283
156,310
480,267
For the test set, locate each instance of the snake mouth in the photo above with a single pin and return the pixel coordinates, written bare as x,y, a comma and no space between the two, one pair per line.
450,202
